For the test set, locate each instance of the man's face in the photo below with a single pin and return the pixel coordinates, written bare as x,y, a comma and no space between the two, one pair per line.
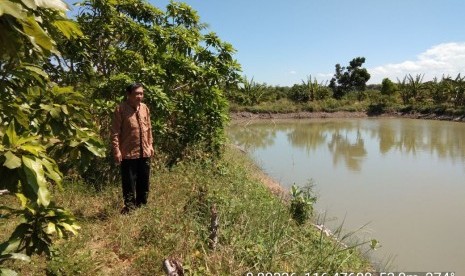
135,98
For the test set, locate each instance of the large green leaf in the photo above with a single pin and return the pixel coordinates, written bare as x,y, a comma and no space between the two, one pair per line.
70,227
36,34
14,9
95,149
68,28
12,161
55,112
52,170
43,196
35,69
35,178
33,149
22,199
25,139
10,137
7,272
17,256
9,246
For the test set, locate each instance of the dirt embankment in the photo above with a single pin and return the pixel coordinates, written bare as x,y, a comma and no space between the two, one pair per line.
342,114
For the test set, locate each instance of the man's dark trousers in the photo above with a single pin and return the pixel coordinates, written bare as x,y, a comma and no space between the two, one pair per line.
135,177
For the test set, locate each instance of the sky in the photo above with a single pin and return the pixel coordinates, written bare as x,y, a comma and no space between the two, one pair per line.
282,42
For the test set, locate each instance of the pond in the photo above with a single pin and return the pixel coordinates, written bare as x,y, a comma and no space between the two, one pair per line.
403,178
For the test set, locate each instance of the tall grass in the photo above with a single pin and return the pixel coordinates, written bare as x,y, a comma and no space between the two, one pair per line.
256,229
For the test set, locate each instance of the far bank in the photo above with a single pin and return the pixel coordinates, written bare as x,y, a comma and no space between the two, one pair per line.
246,115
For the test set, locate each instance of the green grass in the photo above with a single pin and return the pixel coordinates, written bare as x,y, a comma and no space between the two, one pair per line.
256,231
287,106
373,102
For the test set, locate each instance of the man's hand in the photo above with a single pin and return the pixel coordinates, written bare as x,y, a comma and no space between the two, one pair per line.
118,158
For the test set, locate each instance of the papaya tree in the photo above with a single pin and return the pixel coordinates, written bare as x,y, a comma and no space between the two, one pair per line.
42,126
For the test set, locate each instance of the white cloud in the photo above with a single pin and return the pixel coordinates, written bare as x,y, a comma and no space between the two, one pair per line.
325,75
292,72
444,59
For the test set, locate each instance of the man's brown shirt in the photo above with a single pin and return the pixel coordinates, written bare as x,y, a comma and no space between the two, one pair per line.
131,131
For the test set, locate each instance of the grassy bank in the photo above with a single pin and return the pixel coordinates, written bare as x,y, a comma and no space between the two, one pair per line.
256,231
369,106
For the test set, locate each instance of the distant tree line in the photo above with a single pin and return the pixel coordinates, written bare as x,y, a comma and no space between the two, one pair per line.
349,83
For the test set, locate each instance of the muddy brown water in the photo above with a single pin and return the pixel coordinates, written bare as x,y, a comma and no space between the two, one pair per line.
404,178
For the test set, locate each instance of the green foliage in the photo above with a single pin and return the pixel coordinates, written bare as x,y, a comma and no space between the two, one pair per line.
42,125
302,201
457,90
314,88
439,90
388,87
352,77
7,252
183,68
252,91
40,223
298,93
411,89
309,90
379,103
323,93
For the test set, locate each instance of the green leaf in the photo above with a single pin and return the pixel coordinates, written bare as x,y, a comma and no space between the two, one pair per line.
55,112
52,170
46,107
43,196
64,108
14,9
59,233
97,151
35,178
10,138
36,69
51,228
18,256
27,138
68,28
7,272
9,246
33,149
70,228
22,199
12,161
36,34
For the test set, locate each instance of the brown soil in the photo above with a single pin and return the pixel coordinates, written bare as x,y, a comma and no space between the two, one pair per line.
238,116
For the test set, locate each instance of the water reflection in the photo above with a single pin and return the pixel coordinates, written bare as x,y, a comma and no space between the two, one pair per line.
404,177
343,148
345,139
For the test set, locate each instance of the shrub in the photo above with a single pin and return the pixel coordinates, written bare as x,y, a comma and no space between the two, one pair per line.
302,201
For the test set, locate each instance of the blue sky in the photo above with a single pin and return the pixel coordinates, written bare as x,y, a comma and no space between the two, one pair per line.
282,42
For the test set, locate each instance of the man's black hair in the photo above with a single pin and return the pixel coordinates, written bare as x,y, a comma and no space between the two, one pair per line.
133,87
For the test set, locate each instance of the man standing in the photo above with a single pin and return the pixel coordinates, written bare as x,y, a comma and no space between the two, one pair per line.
131,138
